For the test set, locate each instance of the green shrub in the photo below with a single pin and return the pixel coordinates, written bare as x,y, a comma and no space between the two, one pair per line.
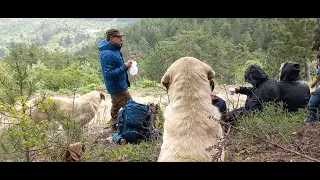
64,91
36,74
273,121
242,69
149,83
71,78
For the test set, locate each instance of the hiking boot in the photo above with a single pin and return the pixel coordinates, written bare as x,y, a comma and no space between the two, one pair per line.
123,142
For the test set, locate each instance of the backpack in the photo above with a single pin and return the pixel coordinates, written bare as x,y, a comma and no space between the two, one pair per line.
134,123
219,103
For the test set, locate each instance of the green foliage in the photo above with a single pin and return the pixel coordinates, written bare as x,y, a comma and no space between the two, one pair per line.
55,72
69,34
24,134
143,152
24,129
273,121
292,40
64,91
36,74
242,69
149,83
17,81
74,77
225,44
20,82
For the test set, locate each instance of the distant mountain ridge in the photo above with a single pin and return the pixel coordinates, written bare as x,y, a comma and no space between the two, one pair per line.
67,34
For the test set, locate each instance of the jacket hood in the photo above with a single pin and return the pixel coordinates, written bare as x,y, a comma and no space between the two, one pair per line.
290,72
107,45
255,75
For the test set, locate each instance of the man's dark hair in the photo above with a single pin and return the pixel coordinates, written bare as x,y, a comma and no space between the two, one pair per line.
113,32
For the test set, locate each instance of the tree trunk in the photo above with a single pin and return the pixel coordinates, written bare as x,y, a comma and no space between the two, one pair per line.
307,71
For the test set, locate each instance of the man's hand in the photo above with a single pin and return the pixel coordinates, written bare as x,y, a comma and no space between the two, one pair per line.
129,64
236,90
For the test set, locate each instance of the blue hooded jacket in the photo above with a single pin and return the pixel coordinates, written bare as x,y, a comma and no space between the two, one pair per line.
113,68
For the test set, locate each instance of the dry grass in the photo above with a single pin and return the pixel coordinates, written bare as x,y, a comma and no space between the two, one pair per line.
302,147
274,135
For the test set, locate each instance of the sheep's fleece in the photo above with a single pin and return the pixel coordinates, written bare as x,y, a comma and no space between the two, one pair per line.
192,131
82,109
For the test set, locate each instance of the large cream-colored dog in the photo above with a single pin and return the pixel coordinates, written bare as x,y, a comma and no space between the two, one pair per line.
192,131
82,109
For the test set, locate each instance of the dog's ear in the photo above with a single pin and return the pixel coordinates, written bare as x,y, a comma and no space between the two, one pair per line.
165,80
211,74
102,96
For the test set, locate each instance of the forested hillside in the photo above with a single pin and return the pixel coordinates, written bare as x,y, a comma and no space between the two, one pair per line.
66,34
227,44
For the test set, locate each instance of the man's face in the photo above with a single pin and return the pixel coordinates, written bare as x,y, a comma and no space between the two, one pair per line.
115,39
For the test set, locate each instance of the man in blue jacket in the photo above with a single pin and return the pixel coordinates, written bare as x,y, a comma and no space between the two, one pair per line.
114,71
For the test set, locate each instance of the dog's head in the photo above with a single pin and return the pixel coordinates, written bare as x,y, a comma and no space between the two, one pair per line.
166,79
